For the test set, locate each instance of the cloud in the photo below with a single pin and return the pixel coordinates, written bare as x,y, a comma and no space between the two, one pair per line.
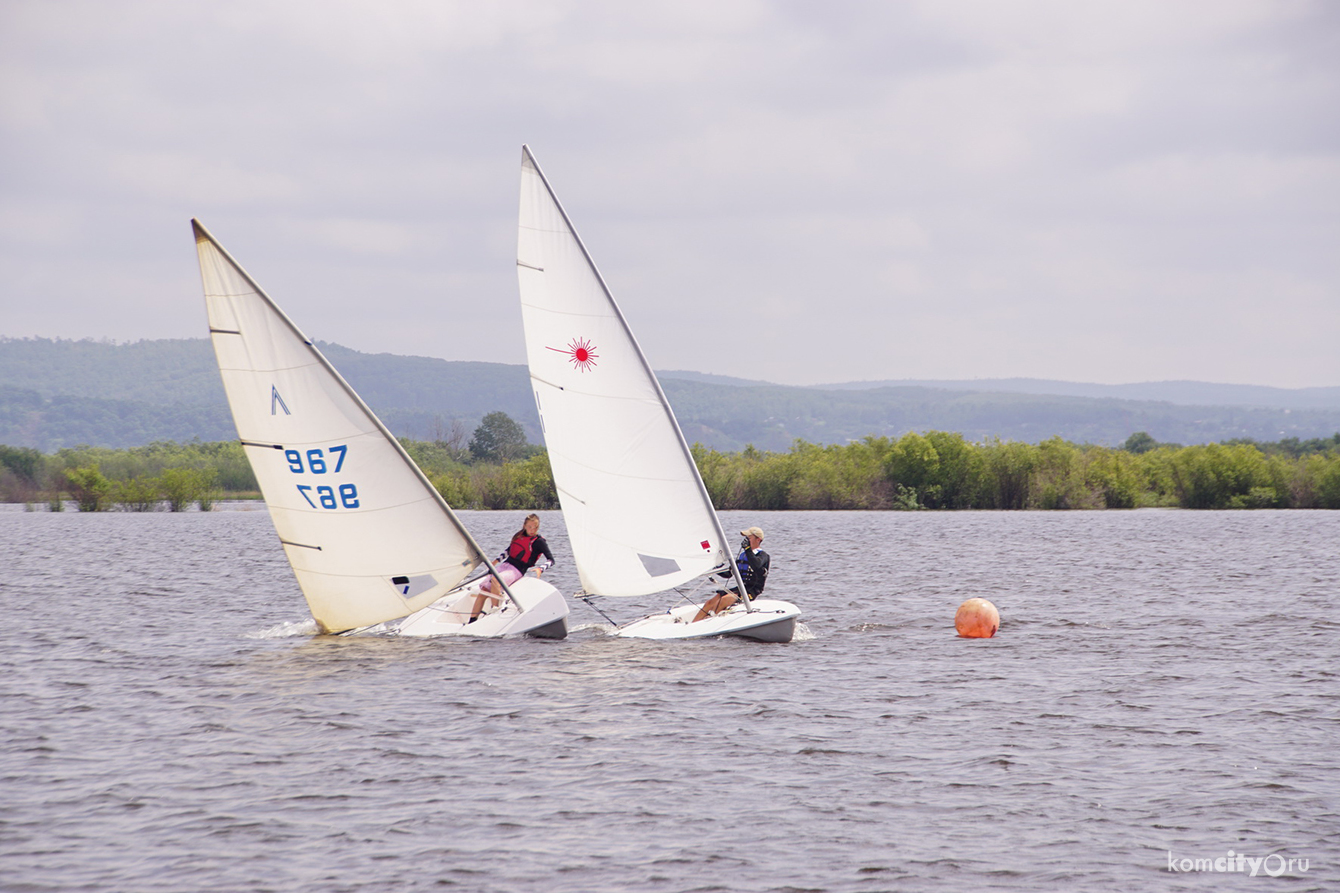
1098,191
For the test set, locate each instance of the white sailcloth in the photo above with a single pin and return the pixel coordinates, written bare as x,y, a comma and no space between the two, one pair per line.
638,517
368,536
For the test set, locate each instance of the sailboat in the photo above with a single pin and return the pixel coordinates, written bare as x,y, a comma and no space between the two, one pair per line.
639,518
369,538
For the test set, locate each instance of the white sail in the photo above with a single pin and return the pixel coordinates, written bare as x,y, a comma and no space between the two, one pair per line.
638,517
368,536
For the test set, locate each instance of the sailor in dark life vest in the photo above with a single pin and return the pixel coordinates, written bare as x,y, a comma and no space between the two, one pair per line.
753,563
526,550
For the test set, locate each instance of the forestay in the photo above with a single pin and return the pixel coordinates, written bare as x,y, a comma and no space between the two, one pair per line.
638,517
368,536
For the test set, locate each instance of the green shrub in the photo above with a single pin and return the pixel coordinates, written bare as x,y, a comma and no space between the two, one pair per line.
89,488
137,494
183,486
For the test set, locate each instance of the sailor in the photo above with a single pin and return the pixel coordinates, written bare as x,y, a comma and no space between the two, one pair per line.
522,553
753,563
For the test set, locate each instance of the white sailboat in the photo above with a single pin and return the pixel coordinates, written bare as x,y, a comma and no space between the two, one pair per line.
369,538
639,518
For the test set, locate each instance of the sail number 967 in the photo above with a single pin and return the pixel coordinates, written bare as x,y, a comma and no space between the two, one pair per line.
318,462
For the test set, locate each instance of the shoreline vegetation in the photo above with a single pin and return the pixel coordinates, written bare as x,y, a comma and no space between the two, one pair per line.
934,470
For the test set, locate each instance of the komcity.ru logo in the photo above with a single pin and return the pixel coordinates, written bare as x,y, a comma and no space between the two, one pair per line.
1273,865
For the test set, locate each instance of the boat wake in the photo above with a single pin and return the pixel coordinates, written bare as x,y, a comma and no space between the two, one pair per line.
289,630
603,629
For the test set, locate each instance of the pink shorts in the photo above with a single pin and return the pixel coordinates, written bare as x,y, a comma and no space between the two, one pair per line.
507,571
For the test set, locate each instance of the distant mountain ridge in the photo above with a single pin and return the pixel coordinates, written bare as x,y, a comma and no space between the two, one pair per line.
60,393
1181,393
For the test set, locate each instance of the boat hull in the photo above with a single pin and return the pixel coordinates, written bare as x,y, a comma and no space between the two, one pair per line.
545,614
771,621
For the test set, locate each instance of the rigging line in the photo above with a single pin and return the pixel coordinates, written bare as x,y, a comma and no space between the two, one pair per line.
465,612
446,609
591,605
686,596
704,583
359,630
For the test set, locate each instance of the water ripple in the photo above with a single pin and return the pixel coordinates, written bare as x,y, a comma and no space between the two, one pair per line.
1163,686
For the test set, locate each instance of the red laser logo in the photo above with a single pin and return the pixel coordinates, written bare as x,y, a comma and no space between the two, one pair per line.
580,353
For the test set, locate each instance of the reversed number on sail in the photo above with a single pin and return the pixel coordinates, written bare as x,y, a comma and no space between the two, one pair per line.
317,462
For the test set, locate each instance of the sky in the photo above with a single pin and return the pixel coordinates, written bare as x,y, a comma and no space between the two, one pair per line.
799,192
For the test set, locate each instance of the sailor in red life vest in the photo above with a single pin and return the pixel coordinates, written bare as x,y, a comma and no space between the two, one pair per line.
523,553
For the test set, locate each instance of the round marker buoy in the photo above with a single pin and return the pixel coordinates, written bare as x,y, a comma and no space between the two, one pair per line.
977,618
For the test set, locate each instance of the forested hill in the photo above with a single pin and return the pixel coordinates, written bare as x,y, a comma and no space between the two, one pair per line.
1186,393
60,393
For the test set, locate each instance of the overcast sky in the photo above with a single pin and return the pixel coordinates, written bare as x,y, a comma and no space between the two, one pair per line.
801,192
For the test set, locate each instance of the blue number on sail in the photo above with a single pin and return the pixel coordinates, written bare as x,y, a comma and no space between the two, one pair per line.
316,460
277,402
325,496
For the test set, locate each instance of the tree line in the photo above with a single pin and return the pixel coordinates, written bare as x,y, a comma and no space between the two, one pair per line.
942,470
496,469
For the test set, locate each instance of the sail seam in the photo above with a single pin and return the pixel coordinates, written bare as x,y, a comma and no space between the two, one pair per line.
583,313
626,476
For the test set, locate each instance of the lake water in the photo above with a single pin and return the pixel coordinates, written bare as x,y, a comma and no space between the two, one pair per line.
1165,688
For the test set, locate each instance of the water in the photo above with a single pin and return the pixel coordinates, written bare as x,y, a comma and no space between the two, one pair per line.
1163,687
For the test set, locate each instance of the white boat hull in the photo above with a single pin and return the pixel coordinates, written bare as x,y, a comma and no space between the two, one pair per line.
545,614
770,621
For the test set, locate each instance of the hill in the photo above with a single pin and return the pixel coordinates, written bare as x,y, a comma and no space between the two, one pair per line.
1183,393
59,393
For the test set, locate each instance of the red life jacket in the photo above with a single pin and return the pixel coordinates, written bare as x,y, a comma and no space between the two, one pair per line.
520,549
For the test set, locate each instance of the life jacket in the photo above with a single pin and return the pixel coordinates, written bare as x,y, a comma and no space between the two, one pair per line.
754,580
746,572
521,548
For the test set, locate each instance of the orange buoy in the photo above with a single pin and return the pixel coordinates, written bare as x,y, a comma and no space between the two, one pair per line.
977,618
